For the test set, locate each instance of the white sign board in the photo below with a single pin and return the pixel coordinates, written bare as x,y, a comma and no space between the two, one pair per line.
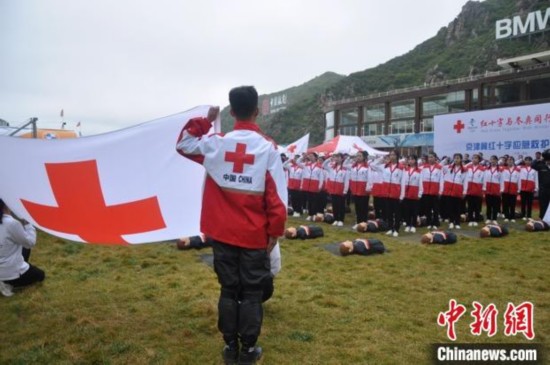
514,131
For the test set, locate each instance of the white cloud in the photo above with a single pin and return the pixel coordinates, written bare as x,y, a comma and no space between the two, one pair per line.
111,64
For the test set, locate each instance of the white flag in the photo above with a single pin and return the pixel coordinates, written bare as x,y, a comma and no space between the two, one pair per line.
127,186
297,147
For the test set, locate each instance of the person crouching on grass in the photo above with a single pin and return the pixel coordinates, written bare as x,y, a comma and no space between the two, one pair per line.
16,240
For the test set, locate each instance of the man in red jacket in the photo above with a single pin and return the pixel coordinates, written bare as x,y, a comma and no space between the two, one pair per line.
245,183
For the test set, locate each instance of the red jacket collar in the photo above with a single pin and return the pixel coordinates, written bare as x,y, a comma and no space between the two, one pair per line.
246,125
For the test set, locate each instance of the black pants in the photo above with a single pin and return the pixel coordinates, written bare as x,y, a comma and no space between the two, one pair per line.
361,208
493,206
454,206
526,203
338,207
410,211
474,208
393,214
509,205
544,200
444,207
431,209
242,274
379,207
314,203
296,197
31,276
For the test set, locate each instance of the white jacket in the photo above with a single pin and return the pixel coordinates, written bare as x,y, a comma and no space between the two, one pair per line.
13,237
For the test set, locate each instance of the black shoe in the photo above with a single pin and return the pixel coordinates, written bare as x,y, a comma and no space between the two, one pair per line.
250,356
230,355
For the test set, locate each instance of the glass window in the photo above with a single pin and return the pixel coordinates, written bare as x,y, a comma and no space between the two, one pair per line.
349,117
329,119
402,109
402,126
329,134
444,103
372,129
539,89
427,125
507,92
350,130
375,113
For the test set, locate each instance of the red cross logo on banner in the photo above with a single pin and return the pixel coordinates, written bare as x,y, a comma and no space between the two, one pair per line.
459,126
291,148
239,158
82,210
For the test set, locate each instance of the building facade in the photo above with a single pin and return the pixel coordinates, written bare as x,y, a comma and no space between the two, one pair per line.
403,119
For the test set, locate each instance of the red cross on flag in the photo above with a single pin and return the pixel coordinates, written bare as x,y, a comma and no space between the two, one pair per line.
295,148
127,186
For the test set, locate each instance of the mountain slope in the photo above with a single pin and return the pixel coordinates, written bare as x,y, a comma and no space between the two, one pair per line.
465,47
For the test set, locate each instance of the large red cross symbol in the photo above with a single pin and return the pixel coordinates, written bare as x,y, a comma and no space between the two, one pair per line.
459,126
239,158
291,148
82,210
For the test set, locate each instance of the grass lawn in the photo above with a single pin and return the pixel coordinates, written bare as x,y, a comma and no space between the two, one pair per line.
153,304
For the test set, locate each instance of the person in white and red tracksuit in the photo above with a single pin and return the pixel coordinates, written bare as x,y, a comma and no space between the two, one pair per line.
431,180
452,187
474,189
375,186
312,183
491,189
338,188
392,174
245,182
510,186
294,172
358,180
411,192
529,185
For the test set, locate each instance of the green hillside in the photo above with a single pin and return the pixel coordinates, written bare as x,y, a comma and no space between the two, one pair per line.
467,46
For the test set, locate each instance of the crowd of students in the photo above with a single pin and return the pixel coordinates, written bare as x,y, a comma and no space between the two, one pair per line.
405,189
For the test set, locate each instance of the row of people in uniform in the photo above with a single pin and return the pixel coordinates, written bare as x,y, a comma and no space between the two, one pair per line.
402,192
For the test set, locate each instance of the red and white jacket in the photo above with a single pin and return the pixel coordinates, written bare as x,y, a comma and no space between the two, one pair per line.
338,178
492,180
411,184
510,183
245,192
474,180
374,183
529,178
452,182
312,176
392,174
431,179
358,178
294,175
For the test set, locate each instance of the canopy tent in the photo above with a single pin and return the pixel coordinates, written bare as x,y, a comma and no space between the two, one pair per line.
346,144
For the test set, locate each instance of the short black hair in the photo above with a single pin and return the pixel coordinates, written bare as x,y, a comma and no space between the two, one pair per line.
243,101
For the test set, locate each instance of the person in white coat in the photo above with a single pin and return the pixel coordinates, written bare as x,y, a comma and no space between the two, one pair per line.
16,240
